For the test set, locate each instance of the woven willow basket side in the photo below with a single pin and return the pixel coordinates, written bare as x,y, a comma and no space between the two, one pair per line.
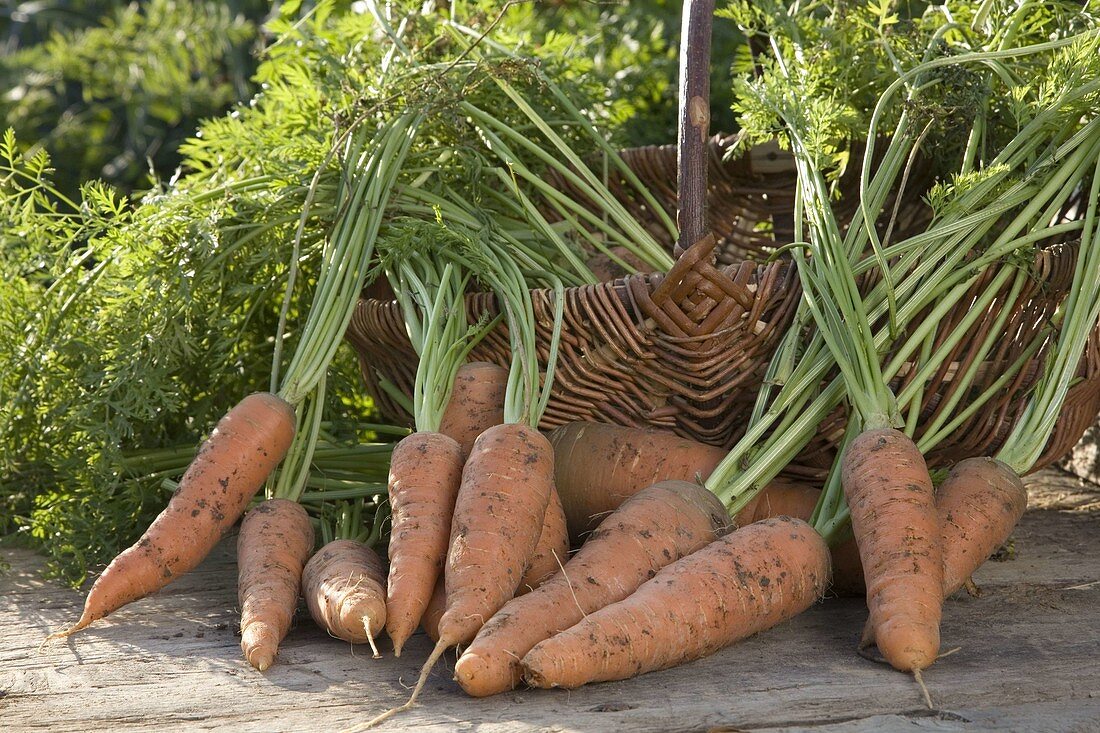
686,350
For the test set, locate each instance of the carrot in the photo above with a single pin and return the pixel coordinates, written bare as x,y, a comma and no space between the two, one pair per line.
743,583
498,517
979,503
897,531
342,584
653,528
779,497
230,467
436,606
425,472
476,404
552,550
597,467
506,486
275,541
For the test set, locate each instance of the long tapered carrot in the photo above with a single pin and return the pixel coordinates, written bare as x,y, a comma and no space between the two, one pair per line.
552,550
275,541
653,528
231,466
738,585
897,531
498,517
429,622
597,467
476,404
342,585
425,473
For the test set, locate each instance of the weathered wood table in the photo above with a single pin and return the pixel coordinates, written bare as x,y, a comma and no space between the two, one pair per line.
1028,659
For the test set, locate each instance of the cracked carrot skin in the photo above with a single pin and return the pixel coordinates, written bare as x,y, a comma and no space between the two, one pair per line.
897,530
498,517
597,467
275,540
653,528
741,584
343,587
230,467
425,474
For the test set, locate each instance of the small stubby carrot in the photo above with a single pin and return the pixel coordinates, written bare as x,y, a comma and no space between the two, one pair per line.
597,467
897,530
343,587
425,474
230,467
275,540
653,528
476,404
552,550
979,504
743,583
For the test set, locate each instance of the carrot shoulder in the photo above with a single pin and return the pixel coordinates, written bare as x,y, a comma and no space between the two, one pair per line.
746,582
476,404
275,541
231,466
653,528
897,530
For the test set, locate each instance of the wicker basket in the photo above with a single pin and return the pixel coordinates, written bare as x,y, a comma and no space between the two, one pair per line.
686,350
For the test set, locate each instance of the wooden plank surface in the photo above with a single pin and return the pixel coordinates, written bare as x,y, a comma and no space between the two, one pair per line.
1028,660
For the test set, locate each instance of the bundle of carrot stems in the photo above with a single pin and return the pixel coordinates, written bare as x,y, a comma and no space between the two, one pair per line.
443,194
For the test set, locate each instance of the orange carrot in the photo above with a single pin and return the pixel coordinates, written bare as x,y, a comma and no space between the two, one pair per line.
499,514
653,528
979,503
897,531
436,606
275,541
342,584
552,550
736,586
425,473
597,467
476,404
229,469
498,517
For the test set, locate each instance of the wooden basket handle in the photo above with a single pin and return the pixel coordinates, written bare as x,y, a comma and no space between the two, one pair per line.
694,123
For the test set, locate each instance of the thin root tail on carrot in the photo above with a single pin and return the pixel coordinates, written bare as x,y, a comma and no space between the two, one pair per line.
923,688
423,680
370,639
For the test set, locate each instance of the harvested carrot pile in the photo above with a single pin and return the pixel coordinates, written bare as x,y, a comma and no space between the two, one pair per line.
468,176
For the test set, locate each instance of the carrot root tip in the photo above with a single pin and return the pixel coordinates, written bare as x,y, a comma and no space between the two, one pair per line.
924,688
440,647
370,638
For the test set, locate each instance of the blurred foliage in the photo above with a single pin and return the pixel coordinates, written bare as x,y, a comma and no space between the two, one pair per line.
110,89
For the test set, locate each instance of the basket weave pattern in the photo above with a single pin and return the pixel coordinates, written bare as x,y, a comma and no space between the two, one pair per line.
687,350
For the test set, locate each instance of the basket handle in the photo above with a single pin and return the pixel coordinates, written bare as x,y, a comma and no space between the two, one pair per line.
694,123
